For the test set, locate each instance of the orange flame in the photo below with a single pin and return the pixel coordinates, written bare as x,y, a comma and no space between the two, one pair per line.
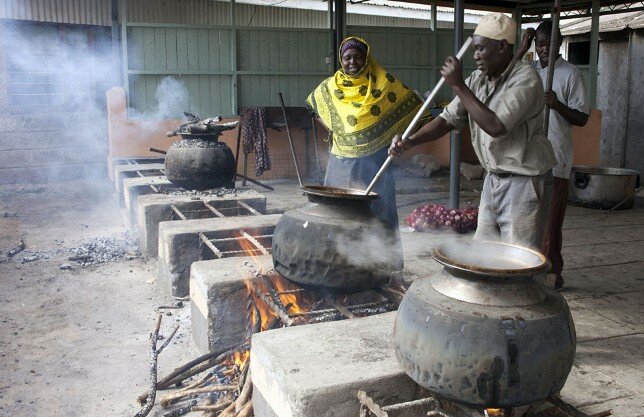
240,358
494,412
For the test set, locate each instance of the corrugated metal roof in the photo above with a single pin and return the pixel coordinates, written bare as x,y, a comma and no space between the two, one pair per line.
85,12
607,23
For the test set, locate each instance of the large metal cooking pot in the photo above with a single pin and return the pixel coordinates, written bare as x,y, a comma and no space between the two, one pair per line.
199,161
197,164
603,188
336,242
483,332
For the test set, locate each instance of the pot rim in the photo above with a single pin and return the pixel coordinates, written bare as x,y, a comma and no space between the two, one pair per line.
544,266
338,193
597,170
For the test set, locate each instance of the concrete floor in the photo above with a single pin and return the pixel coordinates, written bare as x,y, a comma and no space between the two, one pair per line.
75,343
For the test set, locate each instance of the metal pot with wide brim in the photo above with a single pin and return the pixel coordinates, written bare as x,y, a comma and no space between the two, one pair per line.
603,188
483,331
336,242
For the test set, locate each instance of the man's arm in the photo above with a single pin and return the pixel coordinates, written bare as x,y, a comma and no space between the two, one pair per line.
485,118
572,116
431,131
526,42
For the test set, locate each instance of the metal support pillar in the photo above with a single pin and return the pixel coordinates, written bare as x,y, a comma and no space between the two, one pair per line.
233,61
340,27
116,43
594,55
433,46
455,137
517,15
124,52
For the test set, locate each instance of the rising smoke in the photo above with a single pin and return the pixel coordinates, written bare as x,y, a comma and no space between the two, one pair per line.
57,77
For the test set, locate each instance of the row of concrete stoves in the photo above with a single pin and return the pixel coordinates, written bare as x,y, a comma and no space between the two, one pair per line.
297,371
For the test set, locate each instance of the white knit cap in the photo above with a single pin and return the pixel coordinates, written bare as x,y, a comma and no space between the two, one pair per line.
497,26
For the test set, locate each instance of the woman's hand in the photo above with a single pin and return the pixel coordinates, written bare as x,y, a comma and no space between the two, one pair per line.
398,146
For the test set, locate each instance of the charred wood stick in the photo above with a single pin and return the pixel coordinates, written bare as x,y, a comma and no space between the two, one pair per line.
366,401
167,399
169,339
80,258
181,410
247,410
198,369
342,309
216,407
603,414
242,376
273,293
170,379
18,248
564,406
228,411
151,395
161,151
245,177
277,309
244,395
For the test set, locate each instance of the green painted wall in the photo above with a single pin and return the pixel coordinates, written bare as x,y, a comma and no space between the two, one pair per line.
268,61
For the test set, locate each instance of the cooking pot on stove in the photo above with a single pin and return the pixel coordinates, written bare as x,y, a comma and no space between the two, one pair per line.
483,331
200,161
603,188
336,242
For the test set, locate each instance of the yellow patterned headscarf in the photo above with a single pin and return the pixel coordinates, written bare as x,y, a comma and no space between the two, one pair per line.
364,111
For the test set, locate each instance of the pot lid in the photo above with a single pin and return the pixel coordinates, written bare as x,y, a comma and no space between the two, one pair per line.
338,193
491,258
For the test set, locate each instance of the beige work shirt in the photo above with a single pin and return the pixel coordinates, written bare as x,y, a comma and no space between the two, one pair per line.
517,99
569,87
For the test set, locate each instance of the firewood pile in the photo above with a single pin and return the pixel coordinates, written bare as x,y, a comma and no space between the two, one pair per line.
223,388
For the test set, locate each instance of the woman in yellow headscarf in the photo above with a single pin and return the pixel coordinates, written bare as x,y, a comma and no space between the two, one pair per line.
364,106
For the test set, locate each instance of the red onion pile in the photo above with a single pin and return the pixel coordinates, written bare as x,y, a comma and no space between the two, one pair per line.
437,216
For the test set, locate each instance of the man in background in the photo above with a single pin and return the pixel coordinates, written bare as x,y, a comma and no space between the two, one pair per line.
568,108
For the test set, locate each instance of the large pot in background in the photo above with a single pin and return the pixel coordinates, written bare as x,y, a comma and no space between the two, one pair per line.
483,332
603,188
200,164
336,242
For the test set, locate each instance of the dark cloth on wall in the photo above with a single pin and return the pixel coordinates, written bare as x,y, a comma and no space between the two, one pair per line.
254,138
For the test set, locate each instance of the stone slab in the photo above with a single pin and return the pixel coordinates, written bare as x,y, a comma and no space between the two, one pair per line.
218,300
155,208
130,171
133,188
585,385
114,162
603,280
590,325
179,245
626,308
620,358
316,370
602,254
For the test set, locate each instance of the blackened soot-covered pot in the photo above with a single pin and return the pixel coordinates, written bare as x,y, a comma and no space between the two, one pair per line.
200,164
336,242
484,332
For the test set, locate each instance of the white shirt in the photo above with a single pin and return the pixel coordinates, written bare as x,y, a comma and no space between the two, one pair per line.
569,87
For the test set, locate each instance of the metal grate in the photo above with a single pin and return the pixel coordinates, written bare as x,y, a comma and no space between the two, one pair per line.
315,306
244,242
200,209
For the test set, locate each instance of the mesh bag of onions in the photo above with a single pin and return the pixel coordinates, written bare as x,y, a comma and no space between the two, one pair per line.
437,216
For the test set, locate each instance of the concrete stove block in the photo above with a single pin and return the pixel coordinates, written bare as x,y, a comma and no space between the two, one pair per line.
316,370
155,208
131,160
122,172
179,245
133,188
218,300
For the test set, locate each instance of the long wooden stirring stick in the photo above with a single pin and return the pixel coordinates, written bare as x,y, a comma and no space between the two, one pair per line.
414,122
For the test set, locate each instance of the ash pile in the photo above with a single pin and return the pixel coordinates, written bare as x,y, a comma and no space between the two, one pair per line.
102,250
216,192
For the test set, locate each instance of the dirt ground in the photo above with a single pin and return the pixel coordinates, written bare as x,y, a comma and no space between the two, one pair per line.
75,342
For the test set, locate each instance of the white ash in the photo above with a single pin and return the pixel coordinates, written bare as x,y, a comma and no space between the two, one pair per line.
218,192
102,250
198,143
